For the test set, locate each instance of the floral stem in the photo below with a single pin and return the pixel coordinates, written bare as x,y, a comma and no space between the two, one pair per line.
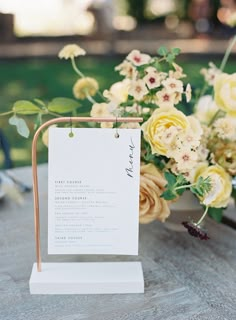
218,112
227,53
101,95
54,114
76,68
90,98
185,186
202,92
83,76
202,217
5,113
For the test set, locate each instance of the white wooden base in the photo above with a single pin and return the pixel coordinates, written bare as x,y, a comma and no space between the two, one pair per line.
87,278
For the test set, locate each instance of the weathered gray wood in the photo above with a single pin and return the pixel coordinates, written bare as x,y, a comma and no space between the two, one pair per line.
230,212
185,279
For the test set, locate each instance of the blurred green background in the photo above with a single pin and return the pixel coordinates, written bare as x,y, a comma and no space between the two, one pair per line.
49,78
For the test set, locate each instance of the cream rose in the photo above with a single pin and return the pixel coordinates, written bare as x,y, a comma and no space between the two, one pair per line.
118,92
225,93
152,206
221,186
205,109
161,120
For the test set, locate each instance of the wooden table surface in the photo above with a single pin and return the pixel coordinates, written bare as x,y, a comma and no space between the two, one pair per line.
185,278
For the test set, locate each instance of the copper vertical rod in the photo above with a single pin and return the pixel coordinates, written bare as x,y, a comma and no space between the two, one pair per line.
35,173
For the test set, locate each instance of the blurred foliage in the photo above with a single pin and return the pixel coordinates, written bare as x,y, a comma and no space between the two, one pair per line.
46,79
137,8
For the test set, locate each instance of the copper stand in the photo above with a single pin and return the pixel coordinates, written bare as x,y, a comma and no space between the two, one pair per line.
34,167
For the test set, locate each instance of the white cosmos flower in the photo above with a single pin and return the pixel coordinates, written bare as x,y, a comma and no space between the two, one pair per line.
173,85
138,89
185,159
188,92
165,98
126,69
152,80
210,73
177,73
138,58
150,70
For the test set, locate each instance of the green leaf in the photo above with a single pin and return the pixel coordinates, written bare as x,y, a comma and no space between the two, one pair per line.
162,51
158,162
202,186
180,180
171,178
25,107
21,126
216,214
170,58
175,51
40,103
38,121
180,191
168,195
156,65
62,105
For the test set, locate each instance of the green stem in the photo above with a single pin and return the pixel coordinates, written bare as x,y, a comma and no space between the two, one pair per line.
218,112
53,114
202,92
185,186
76,69
101,96
202,217
227,53
83,76
5,113
90,98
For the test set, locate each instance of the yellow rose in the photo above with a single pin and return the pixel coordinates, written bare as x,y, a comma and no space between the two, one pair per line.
161,120
225,93
221,186
151,205
85,87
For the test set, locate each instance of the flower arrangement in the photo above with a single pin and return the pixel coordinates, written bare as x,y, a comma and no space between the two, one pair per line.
178,151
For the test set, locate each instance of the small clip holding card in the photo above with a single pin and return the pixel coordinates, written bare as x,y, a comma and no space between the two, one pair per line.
71,134
116,127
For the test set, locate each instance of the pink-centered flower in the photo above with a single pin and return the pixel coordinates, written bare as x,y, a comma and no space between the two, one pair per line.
152,80
173,85
165,98
138,89
138,58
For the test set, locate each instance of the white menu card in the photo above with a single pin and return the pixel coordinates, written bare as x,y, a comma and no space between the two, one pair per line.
93,190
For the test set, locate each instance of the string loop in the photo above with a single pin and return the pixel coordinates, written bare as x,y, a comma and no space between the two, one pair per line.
116,133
